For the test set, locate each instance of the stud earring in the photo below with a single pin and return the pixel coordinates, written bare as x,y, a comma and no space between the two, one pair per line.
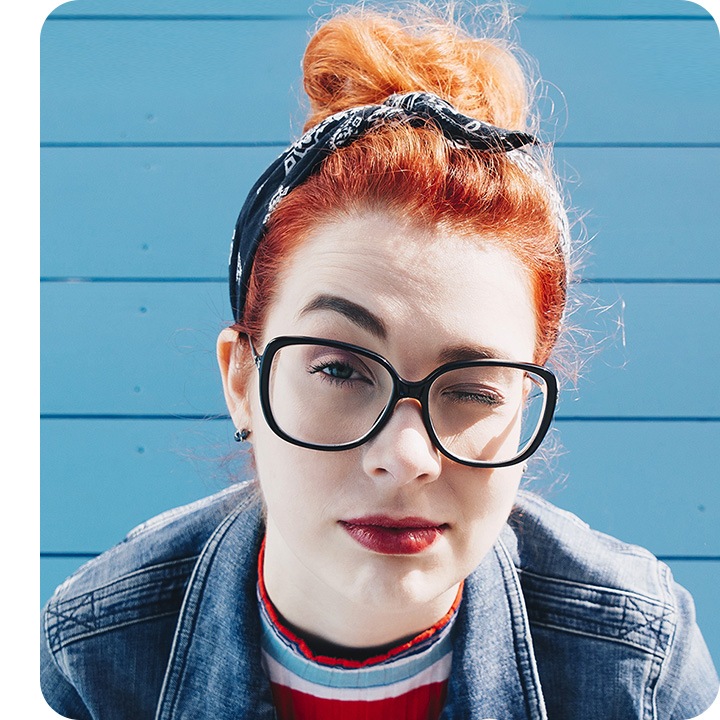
242,435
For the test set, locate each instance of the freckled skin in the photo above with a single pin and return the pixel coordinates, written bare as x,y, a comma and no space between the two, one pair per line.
432,289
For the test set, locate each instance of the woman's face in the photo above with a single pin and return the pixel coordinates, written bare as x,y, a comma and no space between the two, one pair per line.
416,297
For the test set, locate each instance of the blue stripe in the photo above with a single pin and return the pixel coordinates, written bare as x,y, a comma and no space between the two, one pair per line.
182,18
168,144
649,281
135,279
387,673
128,416
637,418
223,279
616,18
634,144
285,143
215,416
271,18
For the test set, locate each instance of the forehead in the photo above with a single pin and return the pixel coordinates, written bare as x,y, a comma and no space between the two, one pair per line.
422,282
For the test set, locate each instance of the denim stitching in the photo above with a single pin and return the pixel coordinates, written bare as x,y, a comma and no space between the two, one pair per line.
69,620
641,623
66,620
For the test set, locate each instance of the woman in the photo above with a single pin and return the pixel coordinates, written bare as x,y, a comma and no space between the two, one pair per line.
399,281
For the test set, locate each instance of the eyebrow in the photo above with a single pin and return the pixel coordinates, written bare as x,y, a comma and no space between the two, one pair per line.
357,314
460,353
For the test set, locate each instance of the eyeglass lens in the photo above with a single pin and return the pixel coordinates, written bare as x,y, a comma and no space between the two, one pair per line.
328,396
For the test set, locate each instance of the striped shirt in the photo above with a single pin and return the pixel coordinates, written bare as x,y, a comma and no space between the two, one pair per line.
408,682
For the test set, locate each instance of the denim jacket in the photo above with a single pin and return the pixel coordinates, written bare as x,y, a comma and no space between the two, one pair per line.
558,622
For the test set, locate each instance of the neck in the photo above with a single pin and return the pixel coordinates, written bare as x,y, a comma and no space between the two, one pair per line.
325,616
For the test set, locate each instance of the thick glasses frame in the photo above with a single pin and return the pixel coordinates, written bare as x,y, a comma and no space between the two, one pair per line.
402,389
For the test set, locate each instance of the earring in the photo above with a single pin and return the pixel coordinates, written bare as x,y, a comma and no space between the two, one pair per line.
242,435
524,468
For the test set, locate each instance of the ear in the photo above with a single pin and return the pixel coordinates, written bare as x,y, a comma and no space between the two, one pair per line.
232,355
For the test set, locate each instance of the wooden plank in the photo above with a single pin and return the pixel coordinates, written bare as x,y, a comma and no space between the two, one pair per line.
123,81
647,212
132,347
143,212
627,82
702,579
150,348
172,8
611,8
169,212
102,478
250,8
650,484
155,81
655,348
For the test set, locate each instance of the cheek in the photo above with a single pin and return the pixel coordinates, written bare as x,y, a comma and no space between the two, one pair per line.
302,488
485,502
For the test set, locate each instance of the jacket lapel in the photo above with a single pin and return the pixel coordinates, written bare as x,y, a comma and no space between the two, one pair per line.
493,672
214,669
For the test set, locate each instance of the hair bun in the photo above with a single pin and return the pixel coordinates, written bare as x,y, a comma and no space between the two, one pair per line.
360,57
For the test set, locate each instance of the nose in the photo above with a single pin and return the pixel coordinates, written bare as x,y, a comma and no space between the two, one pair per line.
402,451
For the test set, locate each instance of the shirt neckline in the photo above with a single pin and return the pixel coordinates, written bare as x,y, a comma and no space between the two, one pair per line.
416,644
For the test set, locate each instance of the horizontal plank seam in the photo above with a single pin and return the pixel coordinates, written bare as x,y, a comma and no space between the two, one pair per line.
664,558
273,18
86,279
637,418
197,279
182,18
558,418
130,416
649,281
638,17
284,143
168,144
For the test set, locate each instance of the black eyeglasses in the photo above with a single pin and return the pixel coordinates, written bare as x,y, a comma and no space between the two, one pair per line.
327,395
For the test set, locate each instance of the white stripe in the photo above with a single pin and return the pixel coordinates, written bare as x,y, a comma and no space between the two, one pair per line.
437,672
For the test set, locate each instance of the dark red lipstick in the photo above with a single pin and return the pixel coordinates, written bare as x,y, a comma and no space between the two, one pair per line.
393,536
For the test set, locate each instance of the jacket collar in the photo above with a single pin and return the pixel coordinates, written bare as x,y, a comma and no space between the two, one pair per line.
493,672
214,667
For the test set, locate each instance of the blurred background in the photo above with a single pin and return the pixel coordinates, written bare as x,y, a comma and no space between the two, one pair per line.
157,117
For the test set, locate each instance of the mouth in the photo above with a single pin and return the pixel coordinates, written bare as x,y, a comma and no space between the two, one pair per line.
394,536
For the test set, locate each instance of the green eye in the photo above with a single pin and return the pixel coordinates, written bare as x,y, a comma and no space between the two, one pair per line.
342,372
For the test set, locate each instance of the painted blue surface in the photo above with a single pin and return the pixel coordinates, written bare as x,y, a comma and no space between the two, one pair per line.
123,472
221,81
251,8
209,94
635,480
169,212
148,347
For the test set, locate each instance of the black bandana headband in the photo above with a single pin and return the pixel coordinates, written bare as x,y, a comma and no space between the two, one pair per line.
303,158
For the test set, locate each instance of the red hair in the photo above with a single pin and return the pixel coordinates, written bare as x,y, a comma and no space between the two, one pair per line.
360,58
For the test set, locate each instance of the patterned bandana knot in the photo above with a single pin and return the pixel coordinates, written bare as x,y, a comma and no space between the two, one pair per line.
304,157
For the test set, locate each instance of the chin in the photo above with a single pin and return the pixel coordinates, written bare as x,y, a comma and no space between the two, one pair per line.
395,583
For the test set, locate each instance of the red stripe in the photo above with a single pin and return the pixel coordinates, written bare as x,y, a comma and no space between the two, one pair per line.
423,703
340,662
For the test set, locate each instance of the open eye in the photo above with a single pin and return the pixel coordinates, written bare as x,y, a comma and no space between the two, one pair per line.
337,370
341,369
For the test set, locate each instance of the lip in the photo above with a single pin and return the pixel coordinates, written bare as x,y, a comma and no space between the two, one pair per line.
394,536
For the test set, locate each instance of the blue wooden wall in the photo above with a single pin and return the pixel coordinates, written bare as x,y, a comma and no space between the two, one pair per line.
156,119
